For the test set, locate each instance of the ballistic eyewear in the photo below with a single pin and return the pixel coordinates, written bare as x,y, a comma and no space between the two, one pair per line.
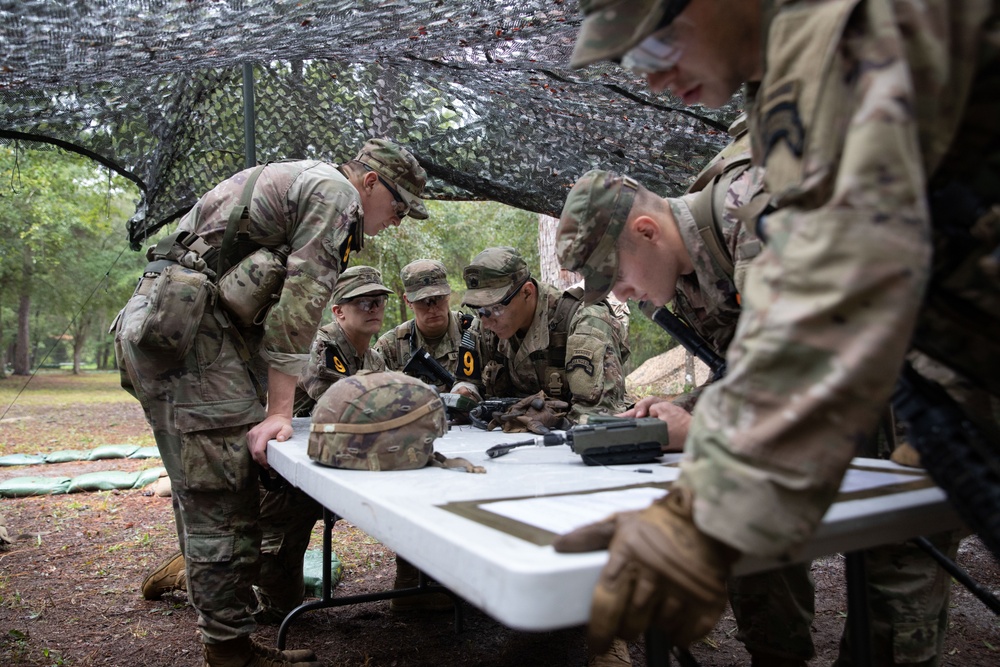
369,303
497,309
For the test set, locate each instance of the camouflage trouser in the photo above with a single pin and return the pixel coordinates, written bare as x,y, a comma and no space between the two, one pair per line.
289,517
907,598
200,409
908,603
774,612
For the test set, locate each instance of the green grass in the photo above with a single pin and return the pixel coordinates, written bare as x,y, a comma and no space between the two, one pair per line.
48,387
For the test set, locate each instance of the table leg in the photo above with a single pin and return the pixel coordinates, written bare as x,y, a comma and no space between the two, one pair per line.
857,609
328,600
329,519
657,649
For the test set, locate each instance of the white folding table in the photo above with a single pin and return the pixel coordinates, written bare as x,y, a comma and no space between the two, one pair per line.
487,537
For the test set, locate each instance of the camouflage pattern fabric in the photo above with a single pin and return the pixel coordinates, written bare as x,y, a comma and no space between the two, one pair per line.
592,218
396,347
358,281
400,168
424,278
309,205
377,421
835,292
331,358
200,413
774,610
287,518
593,366
612,26
492,274
908,602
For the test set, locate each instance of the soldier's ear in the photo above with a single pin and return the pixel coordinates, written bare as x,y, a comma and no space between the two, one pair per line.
645,228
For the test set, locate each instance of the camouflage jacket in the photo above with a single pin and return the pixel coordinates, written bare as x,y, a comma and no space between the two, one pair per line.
398,345
331,358
863,103
709,298
309,206
586,370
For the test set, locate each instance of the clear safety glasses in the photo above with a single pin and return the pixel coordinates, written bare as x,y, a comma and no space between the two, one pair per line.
656,53
369,303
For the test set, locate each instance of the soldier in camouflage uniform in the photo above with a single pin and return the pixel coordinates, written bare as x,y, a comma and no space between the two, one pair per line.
702,234
543,339
210,424
339,350
342,347
865,115
450,336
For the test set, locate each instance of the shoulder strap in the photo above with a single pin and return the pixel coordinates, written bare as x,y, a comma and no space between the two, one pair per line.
703,209
238,226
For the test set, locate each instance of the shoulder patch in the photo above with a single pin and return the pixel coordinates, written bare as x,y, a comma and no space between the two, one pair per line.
582,363
334,361
781,121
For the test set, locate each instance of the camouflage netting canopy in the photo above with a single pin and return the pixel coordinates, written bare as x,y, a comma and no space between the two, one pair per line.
480,91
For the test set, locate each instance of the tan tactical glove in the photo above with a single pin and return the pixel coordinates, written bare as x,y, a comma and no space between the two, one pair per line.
538,414
661,571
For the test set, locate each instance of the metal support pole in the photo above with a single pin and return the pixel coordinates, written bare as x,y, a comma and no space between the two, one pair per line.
249,118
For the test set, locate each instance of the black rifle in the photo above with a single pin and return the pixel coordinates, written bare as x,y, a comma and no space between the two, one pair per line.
604,441
482,414
426,368
686,336
959,457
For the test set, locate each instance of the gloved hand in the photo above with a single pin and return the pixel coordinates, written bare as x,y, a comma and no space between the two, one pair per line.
662,571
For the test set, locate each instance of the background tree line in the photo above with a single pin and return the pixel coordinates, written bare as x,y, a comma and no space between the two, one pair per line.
65,269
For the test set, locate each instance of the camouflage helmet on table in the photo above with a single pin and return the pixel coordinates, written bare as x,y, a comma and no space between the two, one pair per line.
376,421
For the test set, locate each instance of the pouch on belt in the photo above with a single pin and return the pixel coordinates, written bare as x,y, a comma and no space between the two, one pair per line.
249,289
175,303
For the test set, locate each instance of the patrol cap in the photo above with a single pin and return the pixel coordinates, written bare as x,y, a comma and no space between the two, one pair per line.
358,281
592,218
424,278
612,27
492,274
398,166
376,421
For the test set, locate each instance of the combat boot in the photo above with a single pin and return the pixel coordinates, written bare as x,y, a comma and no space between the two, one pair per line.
171,575
616,656
245,652
408,576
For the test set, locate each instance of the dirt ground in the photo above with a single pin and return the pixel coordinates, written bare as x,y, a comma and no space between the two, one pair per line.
69,582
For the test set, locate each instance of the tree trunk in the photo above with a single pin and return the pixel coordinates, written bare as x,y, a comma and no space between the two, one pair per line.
689,378
78,342
3,348
551,272
22,363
